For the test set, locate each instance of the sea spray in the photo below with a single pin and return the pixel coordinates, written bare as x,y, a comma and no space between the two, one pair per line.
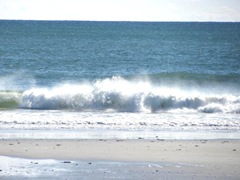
17,81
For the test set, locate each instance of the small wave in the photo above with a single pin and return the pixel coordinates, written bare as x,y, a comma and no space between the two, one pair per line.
123,95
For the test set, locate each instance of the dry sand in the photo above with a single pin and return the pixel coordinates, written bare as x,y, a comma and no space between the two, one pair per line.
198,159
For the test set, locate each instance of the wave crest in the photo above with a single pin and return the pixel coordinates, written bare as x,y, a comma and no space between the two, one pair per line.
122,95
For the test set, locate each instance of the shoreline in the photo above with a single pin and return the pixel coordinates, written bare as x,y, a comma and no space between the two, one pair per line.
185,159
91,134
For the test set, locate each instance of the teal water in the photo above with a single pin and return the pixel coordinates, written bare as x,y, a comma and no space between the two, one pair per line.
53,52
152,69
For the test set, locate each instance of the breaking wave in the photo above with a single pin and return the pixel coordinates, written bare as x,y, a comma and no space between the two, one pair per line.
121,95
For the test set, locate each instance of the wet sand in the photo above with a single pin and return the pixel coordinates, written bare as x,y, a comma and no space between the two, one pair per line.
130,159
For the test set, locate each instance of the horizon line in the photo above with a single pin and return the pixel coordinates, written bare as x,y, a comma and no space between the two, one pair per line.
187,21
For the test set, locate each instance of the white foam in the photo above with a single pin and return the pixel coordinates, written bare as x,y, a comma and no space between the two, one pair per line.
118,94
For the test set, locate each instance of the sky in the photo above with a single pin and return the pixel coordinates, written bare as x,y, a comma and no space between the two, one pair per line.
122,10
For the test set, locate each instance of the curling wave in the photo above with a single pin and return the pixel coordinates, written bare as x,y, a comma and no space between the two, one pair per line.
9,99
122,95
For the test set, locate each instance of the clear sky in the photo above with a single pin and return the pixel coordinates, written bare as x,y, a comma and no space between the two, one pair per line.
122,10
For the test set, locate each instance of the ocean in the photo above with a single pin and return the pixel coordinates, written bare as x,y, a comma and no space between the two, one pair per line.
80,79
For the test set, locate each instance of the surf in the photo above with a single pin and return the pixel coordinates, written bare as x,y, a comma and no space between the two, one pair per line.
122,95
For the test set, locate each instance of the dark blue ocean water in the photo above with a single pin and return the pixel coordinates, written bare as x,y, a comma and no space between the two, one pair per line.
119,65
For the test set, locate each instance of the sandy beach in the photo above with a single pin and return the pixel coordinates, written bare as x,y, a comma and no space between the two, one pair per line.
130,159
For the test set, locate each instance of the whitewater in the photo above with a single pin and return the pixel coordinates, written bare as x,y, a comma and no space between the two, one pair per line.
120,95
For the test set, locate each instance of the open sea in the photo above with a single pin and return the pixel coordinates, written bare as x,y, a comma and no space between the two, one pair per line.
75,79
